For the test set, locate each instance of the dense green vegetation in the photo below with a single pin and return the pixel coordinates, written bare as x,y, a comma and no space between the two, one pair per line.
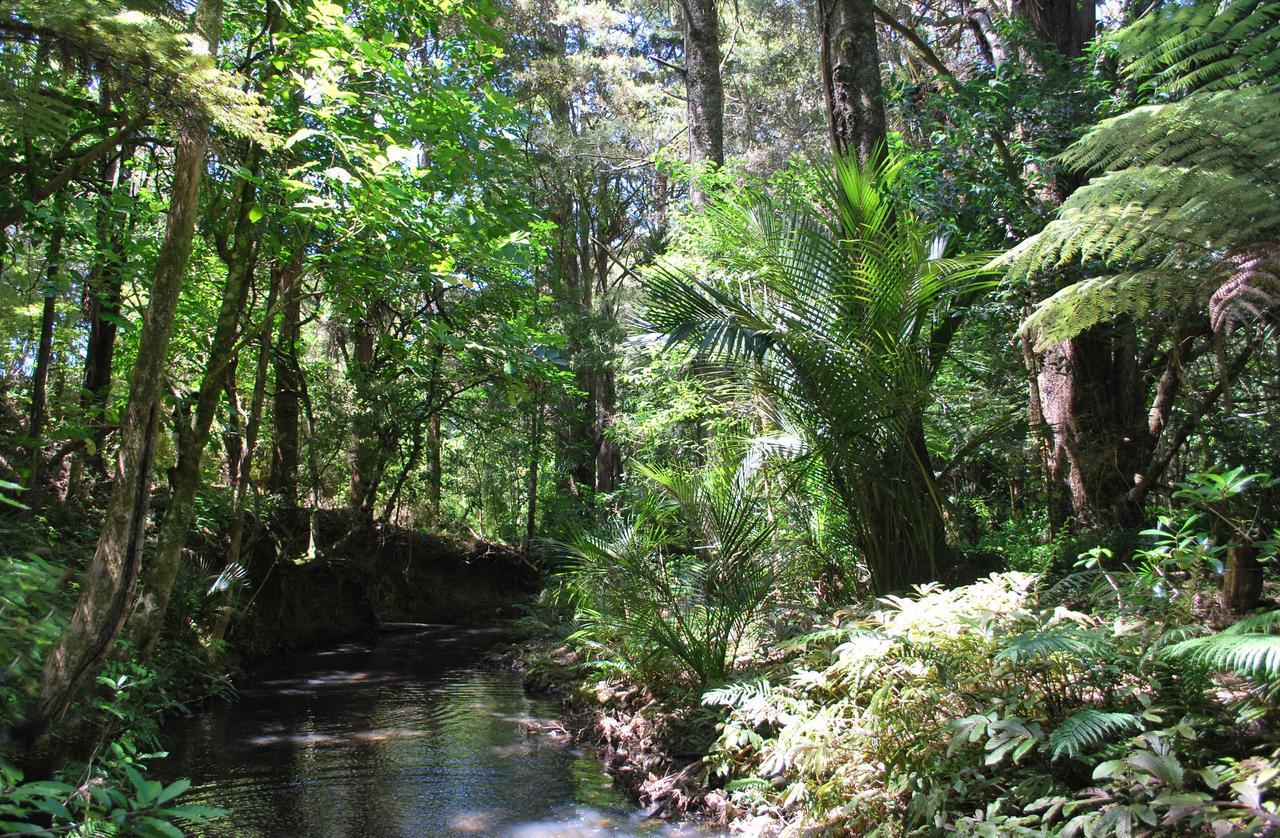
886,394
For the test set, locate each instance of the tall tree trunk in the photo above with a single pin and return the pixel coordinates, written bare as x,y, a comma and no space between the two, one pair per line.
252,424
184,479
283,478
107,589
704,88
851,77
104,287
1094,407
1066,25
364,453
233,435
44,356
434,476
901,526
608,455
1089,391
535,459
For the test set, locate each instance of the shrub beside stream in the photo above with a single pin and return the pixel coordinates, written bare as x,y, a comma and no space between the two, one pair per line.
1110,698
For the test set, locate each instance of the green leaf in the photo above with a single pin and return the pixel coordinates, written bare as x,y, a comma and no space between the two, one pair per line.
300,135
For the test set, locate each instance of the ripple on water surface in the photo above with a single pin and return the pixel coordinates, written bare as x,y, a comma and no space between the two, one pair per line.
400,736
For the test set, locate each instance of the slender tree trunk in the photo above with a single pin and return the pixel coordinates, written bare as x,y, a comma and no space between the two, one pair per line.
704,88
1242,583
244,469
233,436
434,476
107,589
851,77
104,286
608,455
185,477
364,453
535,459
44,358
283,479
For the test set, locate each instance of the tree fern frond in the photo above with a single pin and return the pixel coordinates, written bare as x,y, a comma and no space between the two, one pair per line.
147,53
1267,621
1185,212
1202,45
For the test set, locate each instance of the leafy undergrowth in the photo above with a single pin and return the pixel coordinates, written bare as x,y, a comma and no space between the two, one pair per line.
1094,706
100,753
1100,702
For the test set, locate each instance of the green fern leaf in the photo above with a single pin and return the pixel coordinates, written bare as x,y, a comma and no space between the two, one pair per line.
1254,655
1087,728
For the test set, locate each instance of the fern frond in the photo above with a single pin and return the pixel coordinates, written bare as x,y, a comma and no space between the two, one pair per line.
1254,655
146,53
1041,643
1088,728
1185,210
1255,624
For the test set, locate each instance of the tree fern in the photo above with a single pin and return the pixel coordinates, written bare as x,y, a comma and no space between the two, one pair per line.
1186,208
143,54
1088,728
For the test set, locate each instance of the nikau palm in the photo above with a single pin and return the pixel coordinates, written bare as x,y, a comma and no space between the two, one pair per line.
840,309
690,574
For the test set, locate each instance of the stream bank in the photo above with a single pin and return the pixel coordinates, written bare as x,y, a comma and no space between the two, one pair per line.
652,750
358,577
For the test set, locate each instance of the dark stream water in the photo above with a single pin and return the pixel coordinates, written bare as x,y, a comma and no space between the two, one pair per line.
402,735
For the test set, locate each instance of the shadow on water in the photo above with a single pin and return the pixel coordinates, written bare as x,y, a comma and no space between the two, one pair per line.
402,735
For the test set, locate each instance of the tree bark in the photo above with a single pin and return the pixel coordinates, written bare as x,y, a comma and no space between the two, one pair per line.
434,476
107,588
104,306
1242,582
704,88
535,458
364,453
851,78
283,478
1093,401
44,357
244,469
1066,25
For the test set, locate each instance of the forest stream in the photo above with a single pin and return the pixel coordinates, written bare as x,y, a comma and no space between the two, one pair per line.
404,734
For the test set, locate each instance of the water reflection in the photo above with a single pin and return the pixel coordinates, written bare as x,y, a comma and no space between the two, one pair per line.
404,736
